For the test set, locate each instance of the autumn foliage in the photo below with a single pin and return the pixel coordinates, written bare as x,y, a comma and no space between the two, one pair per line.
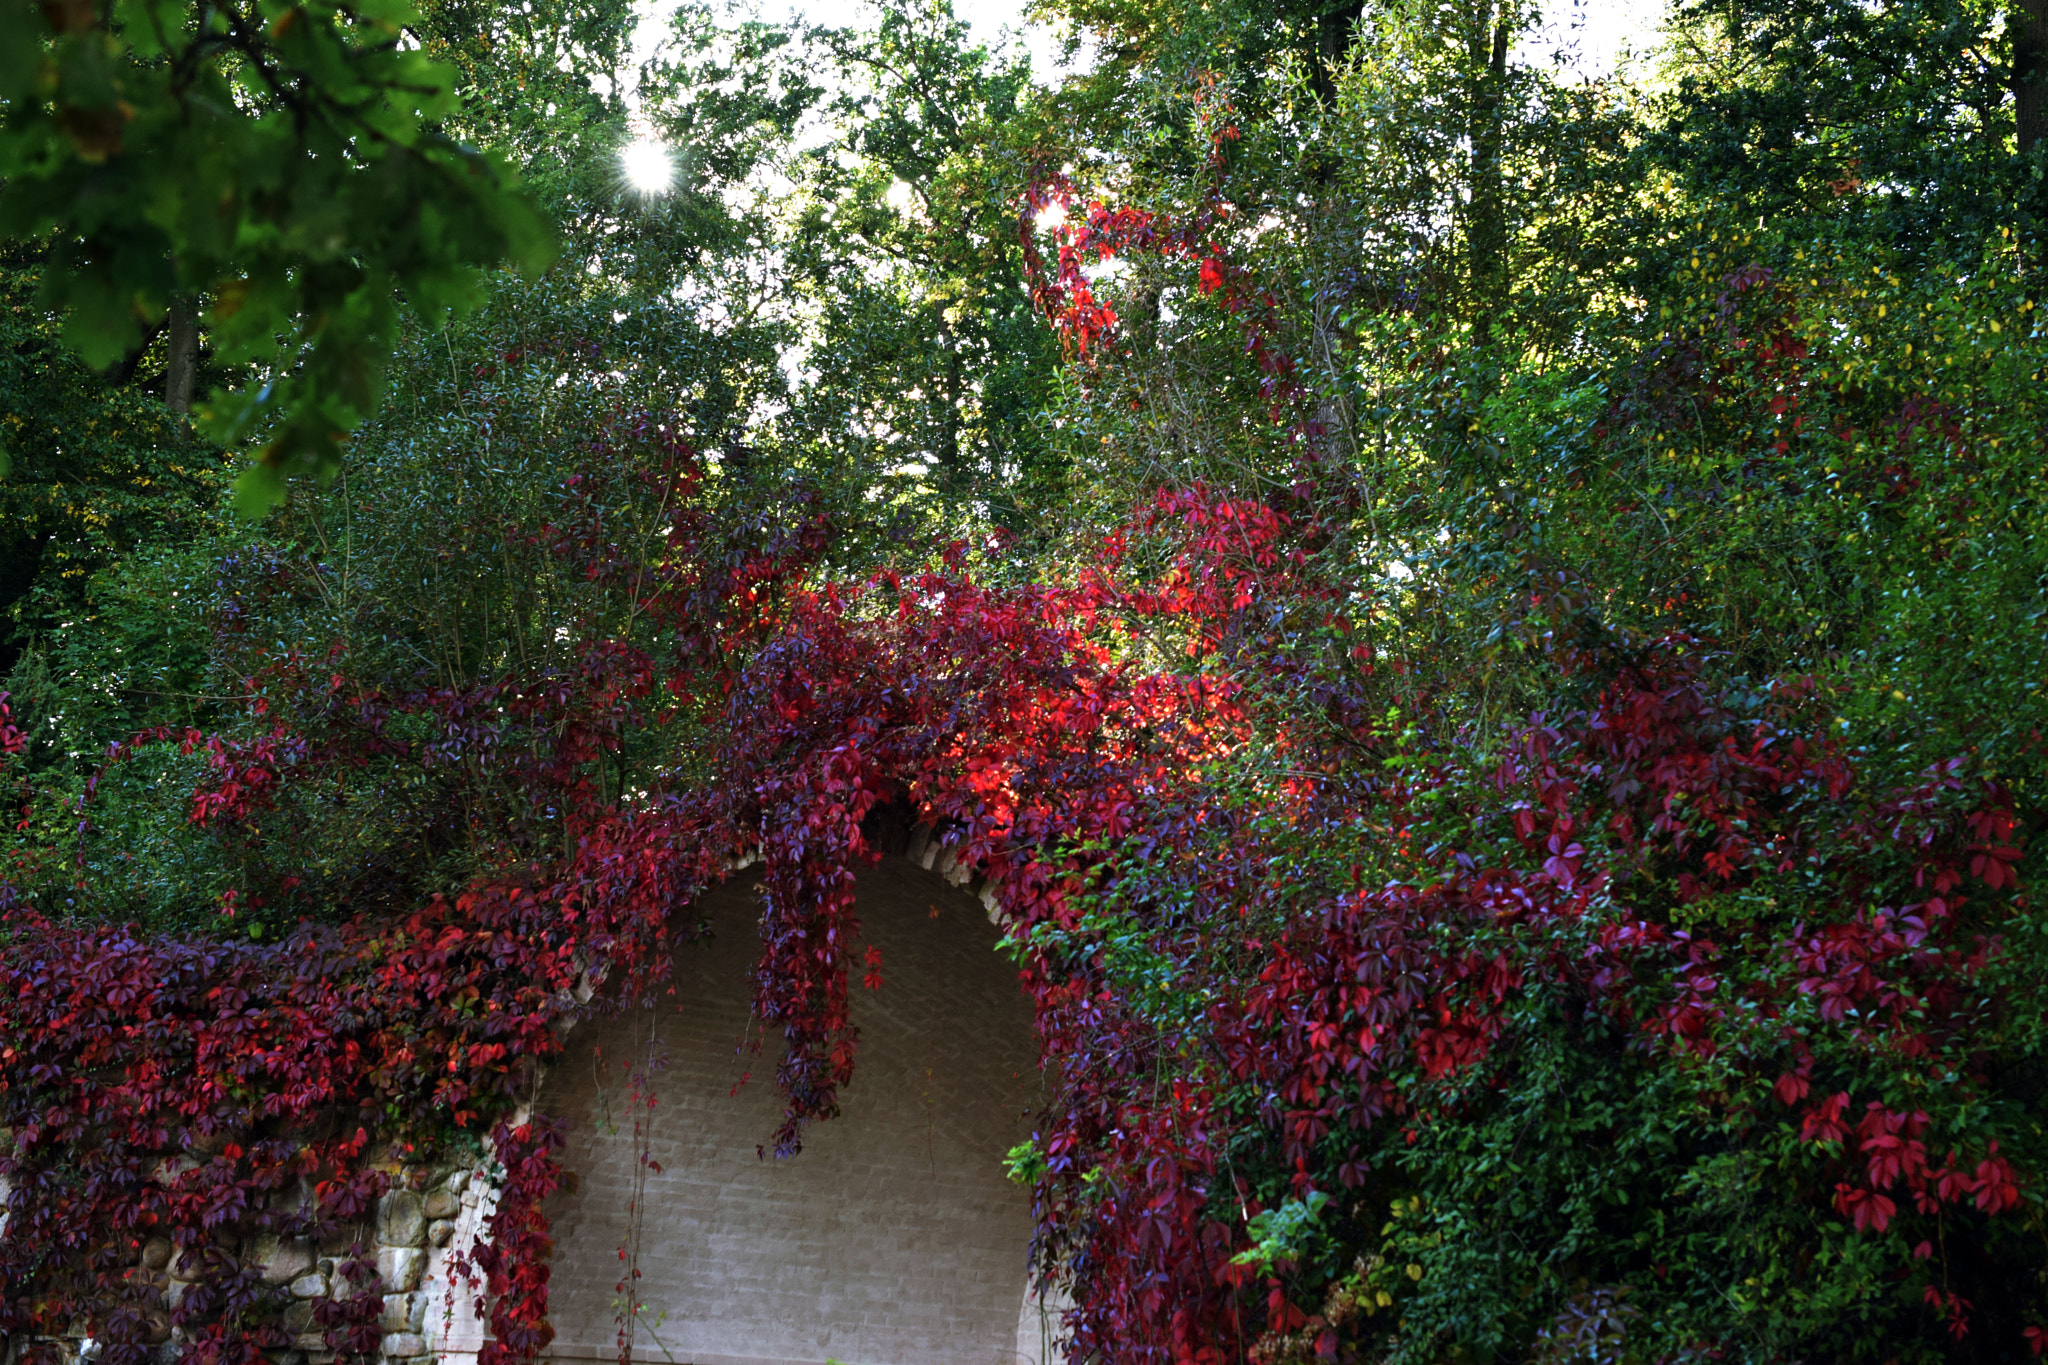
1288,946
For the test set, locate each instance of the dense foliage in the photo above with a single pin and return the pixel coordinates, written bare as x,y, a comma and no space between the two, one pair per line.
1487,629
284,161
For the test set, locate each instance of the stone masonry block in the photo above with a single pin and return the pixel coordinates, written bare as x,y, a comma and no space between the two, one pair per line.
403,1312
404,1345
401,1268
284,1260
401,1220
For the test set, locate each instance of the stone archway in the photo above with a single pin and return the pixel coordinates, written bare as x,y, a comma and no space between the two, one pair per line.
892,1239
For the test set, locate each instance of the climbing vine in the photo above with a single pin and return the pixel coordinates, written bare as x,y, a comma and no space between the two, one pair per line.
1288,943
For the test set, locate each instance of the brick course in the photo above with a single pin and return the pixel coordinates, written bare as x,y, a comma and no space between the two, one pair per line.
892,1239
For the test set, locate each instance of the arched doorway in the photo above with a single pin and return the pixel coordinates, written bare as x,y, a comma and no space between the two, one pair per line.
894,1238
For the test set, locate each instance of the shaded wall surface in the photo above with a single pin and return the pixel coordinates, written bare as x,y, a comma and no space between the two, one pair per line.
893,1238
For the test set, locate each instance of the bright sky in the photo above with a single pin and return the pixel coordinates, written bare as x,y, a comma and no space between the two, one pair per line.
1594,33
988,19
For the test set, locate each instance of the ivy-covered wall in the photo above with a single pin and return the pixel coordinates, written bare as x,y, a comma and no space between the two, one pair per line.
893,1237
408,1250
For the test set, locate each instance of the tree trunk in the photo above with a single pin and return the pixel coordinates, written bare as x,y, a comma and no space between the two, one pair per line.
950,387
183,366
1334,28
1486,240
2028,22
2030,72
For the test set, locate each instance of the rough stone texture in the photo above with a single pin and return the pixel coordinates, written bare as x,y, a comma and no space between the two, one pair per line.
309,1286
401,1221
186,1266
405,1344
893,1239
156,1253
453,1332
403,1313
401,1268
284,1260
440,1232
442,1204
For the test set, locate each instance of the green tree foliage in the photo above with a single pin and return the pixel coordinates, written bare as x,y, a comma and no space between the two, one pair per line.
1920,116
137,603
1752,350
1738,364
923,357
100,468
286,163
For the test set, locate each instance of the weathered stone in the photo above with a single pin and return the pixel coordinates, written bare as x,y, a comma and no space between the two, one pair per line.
401,1222
401,1268
442,1204
405,1344
313,1343
338,1242
441,1231
156,1326
283,1260
312,1285
341,1286
403,1313
298,1317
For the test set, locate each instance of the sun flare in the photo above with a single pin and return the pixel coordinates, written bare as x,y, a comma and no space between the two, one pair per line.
647,167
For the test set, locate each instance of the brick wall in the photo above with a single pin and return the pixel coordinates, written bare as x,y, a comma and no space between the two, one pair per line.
892,1239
